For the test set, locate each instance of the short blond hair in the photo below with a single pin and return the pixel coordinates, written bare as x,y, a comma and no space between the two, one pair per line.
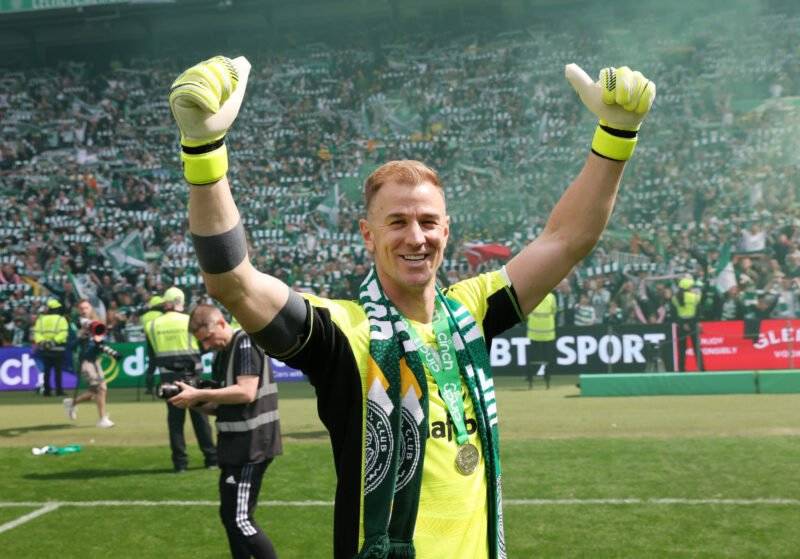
406,172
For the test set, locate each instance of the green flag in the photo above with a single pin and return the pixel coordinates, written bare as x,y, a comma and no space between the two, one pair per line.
127,252
352,187
725,277
87,289
329,207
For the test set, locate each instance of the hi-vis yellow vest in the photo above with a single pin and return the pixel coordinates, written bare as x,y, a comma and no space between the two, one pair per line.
169,337
542,321
689,308
149,316
51,328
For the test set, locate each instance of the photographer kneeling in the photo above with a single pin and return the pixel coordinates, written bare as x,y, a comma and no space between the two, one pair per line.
248,429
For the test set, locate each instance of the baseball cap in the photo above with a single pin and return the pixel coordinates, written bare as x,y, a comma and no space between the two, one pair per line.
53,304
174,295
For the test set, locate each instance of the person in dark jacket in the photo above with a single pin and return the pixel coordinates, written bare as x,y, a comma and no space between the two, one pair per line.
248,426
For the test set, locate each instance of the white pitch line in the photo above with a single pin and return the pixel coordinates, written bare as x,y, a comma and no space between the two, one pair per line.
158,503
49,507
550,502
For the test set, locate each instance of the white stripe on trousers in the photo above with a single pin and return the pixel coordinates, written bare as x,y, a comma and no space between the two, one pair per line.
243,501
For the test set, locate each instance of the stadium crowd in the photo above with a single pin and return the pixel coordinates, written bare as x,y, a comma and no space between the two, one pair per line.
94,201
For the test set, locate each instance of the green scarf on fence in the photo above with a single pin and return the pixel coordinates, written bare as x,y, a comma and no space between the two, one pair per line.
397,420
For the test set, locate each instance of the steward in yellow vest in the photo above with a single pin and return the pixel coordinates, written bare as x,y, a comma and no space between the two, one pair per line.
685,305
154,310
542,333
175,351
50,333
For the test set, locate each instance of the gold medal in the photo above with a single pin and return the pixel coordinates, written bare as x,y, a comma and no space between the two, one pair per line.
467,459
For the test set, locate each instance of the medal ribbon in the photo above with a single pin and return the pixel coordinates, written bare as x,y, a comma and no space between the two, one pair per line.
443,366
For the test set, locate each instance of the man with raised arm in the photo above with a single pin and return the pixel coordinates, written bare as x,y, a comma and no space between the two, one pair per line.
402,372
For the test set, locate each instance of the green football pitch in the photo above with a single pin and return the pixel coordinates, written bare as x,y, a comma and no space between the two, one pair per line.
692,476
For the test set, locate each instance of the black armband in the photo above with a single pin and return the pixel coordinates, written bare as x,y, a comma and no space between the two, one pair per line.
287,332
221,253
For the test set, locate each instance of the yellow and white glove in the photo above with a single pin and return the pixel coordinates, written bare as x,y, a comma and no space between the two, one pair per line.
621,98
205,100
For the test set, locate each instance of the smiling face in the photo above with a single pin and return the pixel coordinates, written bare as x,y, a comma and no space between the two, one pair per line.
406,231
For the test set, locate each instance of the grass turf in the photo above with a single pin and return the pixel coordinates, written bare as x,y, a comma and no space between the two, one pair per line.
555,446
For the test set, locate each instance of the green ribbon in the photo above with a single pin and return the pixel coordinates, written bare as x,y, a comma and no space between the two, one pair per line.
443,366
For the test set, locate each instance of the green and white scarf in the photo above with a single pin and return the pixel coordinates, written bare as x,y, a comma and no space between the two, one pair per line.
397,425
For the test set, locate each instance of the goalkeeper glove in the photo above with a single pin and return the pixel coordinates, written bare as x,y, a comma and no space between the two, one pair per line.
621,99
205,100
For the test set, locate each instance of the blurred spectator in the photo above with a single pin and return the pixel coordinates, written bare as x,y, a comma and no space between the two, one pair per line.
133,330
565,304
787,304
613,315
731,306
599,296
585,313
753,239
16,330
8,274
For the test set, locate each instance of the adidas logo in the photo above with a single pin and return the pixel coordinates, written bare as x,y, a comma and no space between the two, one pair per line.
230,480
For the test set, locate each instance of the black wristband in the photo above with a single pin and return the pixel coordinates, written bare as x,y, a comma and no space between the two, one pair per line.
620,133
206,148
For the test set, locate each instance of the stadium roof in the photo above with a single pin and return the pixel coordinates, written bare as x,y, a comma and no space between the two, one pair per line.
38,31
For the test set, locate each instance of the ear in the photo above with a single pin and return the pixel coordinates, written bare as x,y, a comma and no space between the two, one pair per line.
366,233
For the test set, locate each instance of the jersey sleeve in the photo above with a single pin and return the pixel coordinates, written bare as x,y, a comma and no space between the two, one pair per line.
491,299
247,359
333,329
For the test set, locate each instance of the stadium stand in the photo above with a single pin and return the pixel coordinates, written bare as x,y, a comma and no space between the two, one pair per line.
93,199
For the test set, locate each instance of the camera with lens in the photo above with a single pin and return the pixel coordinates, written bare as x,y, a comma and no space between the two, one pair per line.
169,389
97,328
